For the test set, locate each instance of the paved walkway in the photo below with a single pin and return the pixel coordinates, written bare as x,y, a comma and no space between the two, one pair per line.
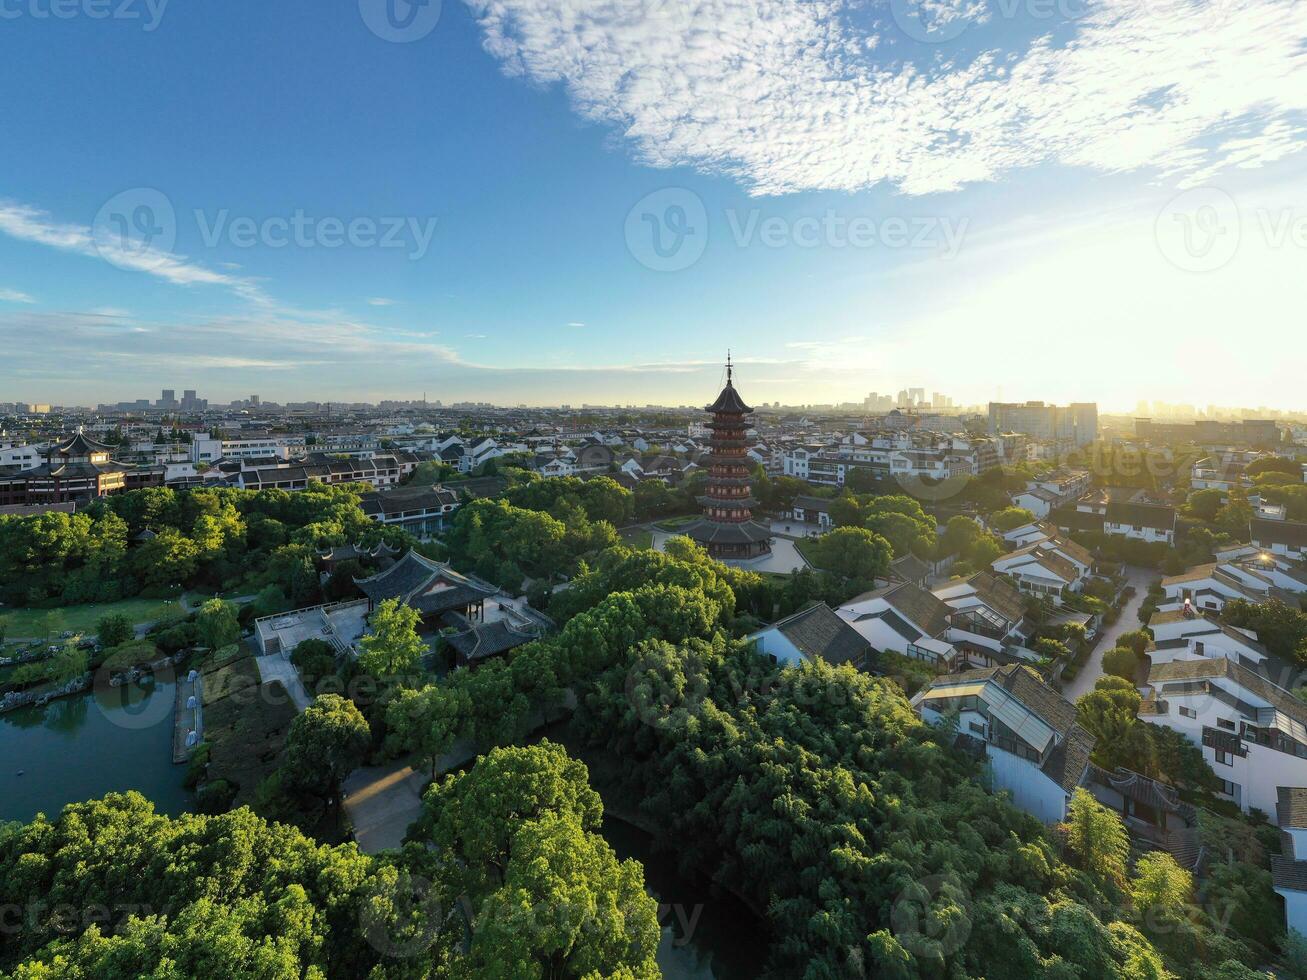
1089,674
382,801
783,560
277,667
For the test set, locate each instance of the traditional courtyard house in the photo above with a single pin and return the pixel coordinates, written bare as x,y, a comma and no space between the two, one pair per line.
1285,538
811,510
1251,731
906,619
1037,500
1140,520
815,633
1042,571
1183,634
986,618
1212,585
421,511
1026,732
1289,868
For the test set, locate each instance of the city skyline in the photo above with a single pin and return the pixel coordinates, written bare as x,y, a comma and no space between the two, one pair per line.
1025,258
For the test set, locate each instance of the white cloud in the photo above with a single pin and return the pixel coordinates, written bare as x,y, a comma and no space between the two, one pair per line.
380,301
14,296
789,96
576,323
33,225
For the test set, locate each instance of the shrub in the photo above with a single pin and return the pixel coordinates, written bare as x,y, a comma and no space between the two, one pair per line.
1121,662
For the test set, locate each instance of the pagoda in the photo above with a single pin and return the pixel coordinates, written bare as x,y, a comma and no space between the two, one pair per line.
727,528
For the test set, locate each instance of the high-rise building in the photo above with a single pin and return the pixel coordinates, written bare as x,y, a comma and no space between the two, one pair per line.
1076,424
168,398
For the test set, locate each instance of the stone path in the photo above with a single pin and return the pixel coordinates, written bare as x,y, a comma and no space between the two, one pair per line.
1084,681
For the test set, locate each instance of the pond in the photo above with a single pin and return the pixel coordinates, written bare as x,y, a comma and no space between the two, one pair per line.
81,747
707,933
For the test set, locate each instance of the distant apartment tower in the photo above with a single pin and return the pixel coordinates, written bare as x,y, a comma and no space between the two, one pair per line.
1076,424
168,398
1263,433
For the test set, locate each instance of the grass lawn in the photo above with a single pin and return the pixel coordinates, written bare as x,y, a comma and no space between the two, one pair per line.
640,537
807,547
82,619
672,523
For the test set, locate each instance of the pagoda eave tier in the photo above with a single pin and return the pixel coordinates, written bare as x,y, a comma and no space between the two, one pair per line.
737,503
712,533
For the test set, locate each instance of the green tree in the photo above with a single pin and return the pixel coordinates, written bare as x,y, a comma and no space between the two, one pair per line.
392,646
216,624
1010,518
1160,885
114,629
1098,838
326,742
1121,662
854,553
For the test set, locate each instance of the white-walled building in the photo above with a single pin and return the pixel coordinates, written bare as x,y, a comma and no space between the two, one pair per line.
814,633
1284,538
1033,746
1289,870
1252,732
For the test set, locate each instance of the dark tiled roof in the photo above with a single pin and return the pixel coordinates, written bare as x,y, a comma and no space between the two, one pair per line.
1029,689
926,611
487,640
712,532
819,633
910,568
401,579
805,502
1067,763
1291,807
1141,515
1291,533
729,401
1076,520
1289,874
999,595
1213,668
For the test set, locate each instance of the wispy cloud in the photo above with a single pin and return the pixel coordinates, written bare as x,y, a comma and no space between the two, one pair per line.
791,96
576,323
14,296
381,301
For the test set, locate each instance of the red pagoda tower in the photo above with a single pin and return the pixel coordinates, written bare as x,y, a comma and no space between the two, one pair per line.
727,528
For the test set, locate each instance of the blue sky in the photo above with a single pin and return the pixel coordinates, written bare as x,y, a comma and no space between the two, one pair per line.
1053,199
